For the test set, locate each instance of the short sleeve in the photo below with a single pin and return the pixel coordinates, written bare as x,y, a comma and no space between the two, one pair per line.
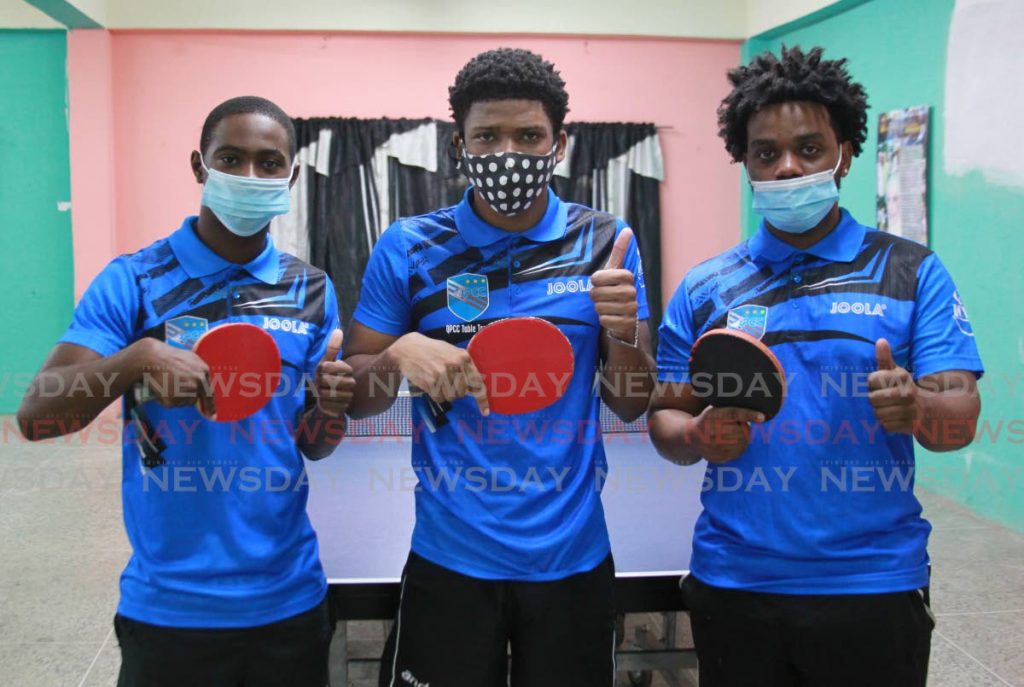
943,338
384,303
104,320
332,321
675,338
634,264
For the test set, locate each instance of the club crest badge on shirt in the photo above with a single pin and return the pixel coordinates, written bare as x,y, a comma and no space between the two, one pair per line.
184,331
468,296
752,319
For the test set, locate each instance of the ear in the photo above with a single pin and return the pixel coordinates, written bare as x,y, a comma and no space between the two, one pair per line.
197,167
295,174
847,149
563,144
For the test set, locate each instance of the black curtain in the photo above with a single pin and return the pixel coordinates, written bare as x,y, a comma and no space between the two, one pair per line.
594,146
343,222
417,191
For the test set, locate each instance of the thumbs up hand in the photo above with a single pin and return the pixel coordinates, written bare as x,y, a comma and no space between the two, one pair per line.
333,383
614,293
893,393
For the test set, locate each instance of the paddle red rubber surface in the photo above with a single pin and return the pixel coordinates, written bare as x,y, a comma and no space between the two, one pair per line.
245,369
526,364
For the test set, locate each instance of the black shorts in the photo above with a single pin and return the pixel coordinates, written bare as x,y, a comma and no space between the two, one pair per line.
289,652
780,640
457,631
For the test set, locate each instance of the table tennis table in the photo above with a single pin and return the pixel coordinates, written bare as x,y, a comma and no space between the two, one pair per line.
361,504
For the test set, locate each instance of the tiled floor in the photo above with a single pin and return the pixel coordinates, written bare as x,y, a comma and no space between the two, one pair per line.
62,547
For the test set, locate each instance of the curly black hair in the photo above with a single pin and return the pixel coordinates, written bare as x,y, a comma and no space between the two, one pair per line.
509,73
768,80
246,104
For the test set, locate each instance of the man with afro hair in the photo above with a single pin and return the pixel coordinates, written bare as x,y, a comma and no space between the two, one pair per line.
809,562
510,553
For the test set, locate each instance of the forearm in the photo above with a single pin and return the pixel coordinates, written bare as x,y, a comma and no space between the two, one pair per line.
318,434
627,376
673,435
948,419
377,379
64,399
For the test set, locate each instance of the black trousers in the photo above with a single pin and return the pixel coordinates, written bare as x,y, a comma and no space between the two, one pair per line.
457,631
290,652
777,640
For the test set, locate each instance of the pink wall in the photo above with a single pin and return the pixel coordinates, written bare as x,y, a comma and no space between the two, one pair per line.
90,94
164,83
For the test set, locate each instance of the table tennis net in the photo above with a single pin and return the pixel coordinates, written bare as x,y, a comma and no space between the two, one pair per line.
397,421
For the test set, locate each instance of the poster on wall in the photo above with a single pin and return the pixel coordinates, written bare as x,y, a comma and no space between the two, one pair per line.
902,196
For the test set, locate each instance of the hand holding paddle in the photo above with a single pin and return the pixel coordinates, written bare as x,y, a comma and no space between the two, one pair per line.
174,377
613,291
333,382
893,394
443,371
230,373
741,381
723,434
512,366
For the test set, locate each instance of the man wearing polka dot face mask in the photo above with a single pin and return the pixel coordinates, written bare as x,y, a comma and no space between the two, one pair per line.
513,566
510,181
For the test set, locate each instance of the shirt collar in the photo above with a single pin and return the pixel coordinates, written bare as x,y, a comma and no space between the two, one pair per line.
198,260
842,244
478,233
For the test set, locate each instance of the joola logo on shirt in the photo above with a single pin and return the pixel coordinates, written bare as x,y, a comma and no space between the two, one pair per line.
557,288
844,308
283,324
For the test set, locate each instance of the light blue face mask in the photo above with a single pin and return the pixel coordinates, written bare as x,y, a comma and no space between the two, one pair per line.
797,205
245,204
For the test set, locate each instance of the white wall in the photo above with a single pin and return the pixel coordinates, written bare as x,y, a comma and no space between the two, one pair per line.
767,14
18,14
98,10
721,19
689,18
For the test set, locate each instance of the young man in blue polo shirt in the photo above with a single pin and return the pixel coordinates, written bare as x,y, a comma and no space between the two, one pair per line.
520,559
224,587
809,560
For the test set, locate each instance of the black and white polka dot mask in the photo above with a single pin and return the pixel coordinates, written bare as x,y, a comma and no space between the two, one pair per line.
509,181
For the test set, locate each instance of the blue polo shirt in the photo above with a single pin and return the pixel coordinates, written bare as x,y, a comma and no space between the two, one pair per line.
219,532
503,497
822,501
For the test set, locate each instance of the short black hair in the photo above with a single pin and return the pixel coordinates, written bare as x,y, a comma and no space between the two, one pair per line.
509,74
247,104
798,76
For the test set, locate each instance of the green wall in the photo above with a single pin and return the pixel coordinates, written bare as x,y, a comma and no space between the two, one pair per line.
897,49
36,266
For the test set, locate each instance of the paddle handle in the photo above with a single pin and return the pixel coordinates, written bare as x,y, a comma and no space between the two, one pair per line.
437,413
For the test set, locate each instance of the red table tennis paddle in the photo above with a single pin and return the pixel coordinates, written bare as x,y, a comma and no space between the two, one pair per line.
731,369
526,364
245,370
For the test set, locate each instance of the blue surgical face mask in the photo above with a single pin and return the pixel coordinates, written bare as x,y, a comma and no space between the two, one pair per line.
797,205
245,204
